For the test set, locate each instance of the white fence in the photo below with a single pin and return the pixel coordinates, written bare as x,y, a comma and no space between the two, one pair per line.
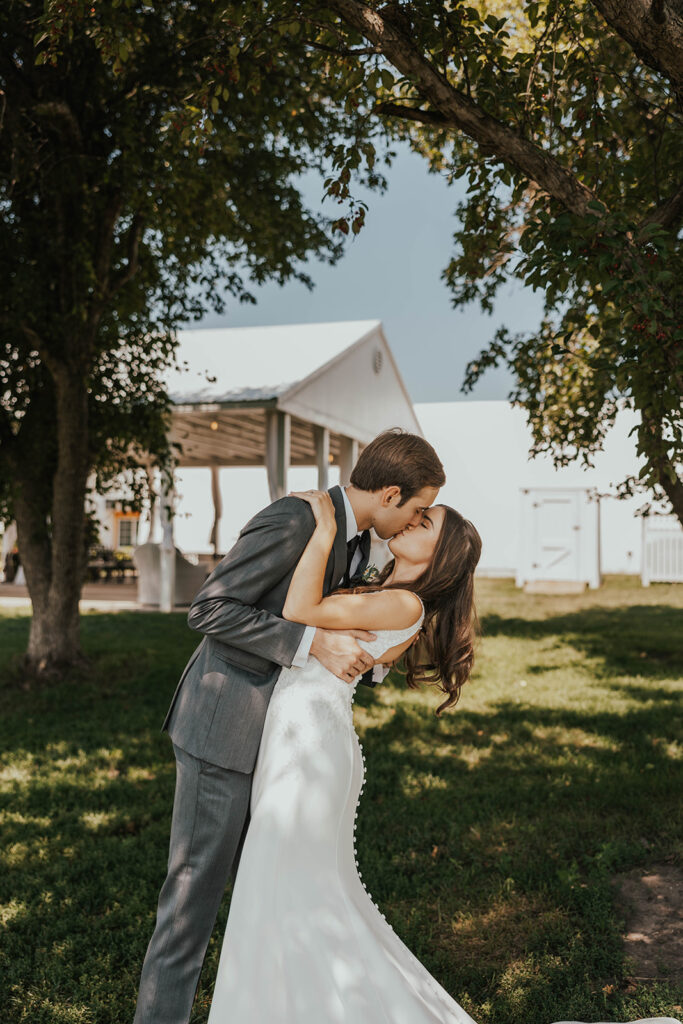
662,550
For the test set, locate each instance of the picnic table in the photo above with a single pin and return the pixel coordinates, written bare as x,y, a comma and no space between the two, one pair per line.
111,569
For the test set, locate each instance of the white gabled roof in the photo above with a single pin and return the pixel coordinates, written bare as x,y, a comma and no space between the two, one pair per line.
341,375
256,362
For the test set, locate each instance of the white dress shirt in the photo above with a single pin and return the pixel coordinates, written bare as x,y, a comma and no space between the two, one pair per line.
379,671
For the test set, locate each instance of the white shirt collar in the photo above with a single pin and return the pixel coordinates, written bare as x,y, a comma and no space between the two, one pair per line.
351,524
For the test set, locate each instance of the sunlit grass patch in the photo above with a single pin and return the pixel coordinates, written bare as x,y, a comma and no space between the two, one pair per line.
9,911
488,836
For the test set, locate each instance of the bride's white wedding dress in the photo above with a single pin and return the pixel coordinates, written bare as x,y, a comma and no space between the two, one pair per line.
304,942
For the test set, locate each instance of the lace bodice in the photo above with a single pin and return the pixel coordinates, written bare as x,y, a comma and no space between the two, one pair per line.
388,638
314,672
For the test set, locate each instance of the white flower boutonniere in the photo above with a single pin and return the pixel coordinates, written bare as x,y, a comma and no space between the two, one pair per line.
370,574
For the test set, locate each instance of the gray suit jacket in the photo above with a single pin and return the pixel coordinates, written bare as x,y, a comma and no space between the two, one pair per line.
219,706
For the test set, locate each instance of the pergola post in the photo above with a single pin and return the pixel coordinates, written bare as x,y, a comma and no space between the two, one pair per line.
322,456
278,433
151,518
167,551
348,455
595,579
9,539
217,507
644,556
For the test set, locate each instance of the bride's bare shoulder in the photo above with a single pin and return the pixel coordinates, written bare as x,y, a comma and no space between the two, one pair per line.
403,607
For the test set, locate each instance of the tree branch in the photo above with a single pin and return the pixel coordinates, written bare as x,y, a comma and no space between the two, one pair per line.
669,213
64,118
134,236
6,434
459,111
35,339
110,216
653,29
361,51
410,113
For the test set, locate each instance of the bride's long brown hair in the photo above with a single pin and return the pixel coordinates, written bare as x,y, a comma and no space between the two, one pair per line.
443,654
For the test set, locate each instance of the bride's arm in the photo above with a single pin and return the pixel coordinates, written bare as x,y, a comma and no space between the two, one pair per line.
393,609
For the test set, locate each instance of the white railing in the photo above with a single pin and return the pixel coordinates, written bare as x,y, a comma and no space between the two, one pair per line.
662,550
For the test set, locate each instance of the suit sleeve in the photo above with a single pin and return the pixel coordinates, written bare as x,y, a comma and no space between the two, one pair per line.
266,550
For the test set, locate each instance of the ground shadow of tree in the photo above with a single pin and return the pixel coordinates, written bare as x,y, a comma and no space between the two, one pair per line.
494,837
638,639
488,837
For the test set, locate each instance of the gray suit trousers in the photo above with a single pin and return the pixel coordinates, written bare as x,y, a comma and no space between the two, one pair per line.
209,807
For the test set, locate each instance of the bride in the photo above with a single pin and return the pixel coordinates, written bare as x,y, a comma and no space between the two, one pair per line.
304,942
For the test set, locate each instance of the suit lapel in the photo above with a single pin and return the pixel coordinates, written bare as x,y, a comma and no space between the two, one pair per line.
339,546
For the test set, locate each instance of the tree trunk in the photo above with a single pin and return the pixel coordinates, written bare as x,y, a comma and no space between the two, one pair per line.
674,492
53,553
651,436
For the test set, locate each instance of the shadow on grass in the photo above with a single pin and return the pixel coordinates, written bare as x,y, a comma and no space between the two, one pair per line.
489,838
644,640
495,871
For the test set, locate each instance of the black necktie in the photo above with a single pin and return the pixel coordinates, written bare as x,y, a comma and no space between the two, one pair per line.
363,542
351,548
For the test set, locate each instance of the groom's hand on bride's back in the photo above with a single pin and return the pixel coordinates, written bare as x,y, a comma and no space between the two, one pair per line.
341,653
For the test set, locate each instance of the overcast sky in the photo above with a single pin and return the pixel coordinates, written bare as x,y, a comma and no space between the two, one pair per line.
392,272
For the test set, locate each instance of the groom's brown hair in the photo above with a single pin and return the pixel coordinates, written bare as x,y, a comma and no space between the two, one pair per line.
396,458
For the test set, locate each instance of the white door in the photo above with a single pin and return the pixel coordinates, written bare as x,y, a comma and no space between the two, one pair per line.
555,531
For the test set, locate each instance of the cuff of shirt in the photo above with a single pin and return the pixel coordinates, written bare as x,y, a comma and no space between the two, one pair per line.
379,673
304,648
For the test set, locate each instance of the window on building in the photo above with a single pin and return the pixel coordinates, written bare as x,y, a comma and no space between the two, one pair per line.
128,532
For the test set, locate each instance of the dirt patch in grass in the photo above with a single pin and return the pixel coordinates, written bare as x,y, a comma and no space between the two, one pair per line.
651,903
493,937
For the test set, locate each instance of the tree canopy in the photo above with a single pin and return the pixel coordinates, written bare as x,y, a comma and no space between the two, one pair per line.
149,161
565,120
149,164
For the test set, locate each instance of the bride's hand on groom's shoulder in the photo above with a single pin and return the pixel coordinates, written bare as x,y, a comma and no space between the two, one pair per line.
322,505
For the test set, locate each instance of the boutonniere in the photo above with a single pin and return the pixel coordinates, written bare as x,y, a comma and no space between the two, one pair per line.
370,574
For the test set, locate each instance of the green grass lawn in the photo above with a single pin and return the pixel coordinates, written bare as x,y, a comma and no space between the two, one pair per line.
489,836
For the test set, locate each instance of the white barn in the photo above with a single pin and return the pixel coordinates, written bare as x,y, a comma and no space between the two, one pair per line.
484,447
537,522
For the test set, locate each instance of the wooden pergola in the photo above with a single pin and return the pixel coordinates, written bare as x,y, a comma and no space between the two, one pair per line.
293,395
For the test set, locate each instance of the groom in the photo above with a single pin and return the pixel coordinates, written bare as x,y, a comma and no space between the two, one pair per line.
217,713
